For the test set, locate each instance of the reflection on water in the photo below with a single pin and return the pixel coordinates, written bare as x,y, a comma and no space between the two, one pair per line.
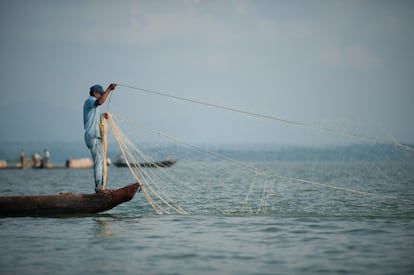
102,228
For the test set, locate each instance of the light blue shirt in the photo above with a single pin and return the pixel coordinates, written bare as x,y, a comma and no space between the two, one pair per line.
91,118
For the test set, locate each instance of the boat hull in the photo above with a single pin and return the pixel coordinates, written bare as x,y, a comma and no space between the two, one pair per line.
65,203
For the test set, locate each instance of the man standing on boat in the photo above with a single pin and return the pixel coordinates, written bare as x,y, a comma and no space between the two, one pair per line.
92,114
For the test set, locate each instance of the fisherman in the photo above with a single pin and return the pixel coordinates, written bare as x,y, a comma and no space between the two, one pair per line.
91,119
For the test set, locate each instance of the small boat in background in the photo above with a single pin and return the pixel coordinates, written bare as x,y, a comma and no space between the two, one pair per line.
164,163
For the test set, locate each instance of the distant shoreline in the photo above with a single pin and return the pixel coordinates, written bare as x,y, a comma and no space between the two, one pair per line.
60,152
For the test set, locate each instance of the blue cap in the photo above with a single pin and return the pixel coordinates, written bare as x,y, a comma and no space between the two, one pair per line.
97,88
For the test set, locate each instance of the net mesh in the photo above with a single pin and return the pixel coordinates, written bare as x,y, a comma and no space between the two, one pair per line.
262,181
360,167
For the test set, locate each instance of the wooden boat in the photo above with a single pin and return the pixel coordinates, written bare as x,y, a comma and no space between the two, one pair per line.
65,203
164,163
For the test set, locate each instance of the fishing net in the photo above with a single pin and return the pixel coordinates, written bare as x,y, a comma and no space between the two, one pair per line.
358,167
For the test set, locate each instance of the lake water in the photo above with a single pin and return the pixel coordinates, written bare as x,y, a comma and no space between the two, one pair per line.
304,230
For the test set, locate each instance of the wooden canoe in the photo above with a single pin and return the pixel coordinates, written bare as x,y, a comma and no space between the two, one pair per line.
157,164
65,203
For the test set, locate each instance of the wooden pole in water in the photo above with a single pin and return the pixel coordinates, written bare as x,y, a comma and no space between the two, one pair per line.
103,126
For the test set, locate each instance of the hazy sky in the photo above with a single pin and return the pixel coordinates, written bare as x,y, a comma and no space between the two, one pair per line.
338,63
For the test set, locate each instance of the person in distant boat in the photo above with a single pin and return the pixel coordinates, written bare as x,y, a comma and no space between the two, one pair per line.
91,119
21,154
37,160
45,159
